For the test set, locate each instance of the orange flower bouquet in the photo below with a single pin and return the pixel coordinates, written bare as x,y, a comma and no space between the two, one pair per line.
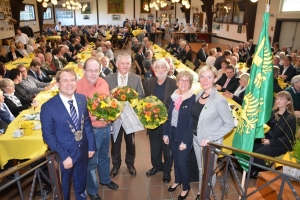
104,107
151,112
126,93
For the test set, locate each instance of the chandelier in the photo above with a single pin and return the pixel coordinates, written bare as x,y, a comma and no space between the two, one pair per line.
73,5
45,3
162,3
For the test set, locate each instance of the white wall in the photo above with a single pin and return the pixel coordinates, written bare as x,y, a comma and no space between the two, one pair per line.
274,10
33,24
4,24
93,16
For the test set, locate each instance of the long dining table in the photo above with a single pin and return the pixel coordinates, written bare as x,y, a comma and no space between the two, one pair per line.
32,145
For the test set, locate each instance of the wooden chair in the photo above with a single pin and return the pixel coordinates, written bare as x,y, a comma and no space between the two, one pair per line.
126,43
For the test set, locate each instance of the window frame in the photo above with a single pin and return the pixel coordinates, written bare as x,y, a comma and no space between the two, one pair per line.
51,12
25,20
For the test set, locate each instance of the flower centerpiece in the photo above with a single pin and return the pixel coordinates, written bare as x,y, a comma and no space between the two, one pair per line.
27,126
126,93
104,107
151,112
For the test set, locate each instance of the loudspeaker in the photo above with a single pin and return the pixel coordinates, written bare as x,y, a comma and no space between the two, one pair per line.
203,7
241,5
22,7
182,9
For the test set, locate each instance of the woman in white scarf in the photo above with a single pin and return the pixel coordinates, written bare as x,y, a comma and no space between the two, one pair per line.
239,93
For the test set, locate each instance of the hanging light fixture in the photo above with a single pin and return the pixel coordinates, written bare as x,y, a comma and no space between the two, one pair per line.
73,5
162,3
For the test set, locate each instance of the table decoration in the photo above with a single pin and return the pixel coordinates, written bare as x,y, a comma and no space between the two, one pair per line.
104,107
27,127
151,112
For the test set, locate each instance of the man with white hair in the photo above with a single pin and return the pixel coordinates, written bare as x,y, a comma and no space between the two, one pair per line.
294,90
162,87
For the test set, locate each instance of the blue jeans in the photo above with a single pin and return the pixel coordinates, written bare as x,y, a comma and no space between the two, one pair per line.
100,160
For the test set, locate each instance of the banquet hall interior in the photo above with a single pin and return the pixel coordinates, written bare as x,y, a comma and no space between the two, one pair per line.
218,24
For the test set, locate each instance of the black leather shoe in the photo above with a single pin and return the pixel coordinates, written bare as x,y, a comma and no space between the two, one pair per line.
183,197
95,197
114,171
112,185
46,191
198,197
166,177
170,189
131,170
151,172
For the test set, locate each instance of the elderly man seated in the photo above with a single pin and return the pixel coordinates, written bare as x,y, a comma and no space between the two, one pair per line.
294,90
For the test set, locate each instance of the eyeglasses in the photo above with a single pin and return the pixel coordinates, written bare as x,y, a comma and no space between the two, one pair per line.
184,81
93,71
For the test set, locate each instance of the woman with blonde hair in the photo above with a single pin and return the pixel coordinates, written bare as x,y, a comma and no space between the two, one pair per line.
281,136
212,54
178,130
30,47
13,54
239,93
20,49
212,119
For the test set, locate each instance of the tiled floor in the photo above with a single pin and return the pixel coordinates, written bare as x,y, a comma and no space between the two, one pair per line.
139,187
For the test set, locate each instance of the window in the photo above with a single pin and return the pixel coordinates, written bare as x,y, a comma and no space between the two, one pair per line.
28,13
48,13
290,6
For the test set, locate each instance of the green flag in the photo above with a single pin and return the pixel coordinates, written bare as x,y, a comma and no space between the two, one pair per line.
258,99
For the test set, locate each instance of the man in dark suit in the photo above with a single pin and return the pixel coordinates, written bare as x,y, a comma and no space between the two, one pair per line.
287,71
201,56
226,55
162,87
105,70
57,60
228,82
72,46
251,47
139,57
36,72
124,78
67,129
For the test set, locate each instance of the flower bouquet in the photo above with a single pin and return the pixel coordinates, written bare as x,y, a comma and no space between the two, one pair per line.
104,107
126,93
151,112
27,126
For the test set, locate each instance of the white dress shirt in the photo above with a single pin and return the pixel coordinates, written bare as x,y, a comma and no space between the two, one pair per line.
120,80
67,105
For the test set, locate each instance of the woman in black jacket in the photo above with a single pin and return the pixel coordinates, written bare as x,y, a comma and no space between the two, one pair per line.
281,136
3,55
14,104
239,93
187,54
13,54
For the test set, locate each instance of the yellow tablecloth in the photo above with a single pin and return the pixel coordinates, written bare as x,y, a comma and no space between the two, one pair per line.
136,32
25,147
25,61
55,37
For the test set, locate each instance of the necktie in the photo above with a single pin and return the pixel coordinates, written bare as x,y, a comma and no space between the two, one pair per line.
123,81
226,83
73,113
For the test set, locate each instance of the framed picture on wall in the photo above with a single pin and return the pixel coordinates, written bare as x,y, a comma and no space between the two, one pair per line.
2,17
143,4
115,6
116,17
86,9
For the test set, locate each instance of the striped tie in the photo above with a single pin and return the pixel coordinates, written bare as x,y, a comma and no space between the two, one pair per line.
73,113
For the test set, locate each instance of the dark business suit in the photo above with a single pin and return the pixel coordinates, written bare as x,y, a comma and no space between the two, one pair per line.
58,136
135,82
239,99
14,109
157,146
56,63
231,86
183,133
252,49
281,136
186,56
72,49
45,78
201,55
139,57
290,72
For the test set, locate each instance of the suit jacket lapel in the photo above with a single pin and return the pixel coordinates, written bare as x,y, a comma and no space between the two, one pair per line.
79,106
64,114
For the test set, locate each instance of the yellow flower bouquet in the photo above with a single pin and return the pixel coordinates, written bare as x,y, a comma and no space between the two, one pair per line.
151,112
126,93
27,126
104,107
